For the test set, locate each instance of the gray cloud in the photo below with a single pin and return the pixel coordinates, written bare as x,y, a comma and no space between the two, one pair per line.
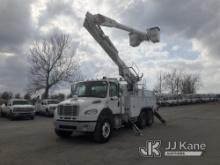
192,19
56,8
16,28
17,32
16,25
187,20
13,71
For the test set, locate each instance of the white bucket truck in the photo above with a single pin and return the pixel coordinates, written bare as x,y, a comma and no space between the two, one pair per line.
100,106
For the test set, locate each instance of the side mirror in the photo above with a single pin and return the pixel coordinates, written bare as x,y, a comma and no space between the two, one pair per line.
114,98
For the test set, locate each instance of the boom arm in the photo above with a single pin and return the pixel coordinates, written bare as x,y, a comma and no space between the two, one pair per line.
93,22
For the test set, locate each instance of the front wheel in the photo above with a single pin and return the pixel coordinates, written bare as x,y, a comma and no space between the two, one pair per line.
11,117
32,117
103,130
63,134
150,117
3,114
47,113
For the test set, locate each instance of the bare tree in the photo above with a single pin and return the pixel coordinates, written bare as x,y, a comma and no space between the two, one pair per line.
190,83
170,81
160,84
52,62
7,95
17,96
27,96
176,82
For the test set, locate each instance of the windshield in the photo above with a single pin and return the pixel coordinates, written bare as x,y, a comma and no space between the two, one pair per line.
52,102
90,89
21,102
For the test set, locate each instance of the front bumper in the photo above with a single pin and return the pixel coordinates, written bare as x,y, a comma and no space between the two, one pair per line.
23,114
80,126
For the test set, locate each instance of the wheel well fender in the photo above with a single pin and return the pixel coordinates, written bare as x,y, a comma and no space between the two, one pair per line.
145,109
105,113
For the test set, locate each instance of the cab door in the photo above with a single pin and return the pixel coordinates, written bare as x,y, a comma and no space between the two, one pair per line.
113,101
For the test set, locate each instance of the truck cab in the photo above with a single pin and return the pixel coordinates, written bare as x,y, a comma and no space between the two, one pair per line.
16,108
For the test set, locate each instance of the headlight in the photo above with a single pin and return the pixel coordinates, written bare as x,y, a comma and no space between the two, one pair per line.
91,112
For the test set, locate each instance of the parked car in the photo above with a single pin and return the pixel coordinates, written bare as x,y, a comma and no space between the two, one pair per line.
162,101
46,107
16,108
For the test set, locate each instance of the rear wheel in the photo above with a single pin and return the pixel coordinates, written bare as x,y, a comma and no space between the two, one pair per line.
149,117
63,134
142,120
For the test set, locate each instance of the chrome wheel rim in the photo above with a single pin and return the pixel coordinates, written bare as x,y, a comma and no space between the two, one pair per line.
106,129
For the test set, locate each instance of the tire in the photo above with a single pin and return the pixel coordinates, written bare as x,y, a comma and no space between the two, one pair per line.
142,120
128,125
3,114
32,117
63,134
47,113
11,117
150,117
103,130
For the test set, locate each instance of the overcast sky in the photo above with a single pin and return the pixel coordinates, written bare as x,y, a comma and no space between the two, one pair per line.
190,33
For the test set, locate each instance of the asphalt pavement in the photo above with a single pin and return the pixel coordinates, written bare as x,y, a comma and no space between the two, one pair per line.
33,142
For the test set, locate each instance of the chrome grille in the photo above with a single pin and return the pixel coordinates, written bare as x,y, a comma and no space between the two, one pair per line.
23,109
67,110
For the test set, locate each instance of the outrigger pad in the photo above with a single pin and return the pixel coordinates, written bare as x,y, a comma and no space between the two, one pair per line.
136,129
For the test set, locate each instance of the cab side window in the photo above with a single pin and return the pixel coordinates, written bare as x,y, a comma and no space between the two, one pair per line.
113,90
